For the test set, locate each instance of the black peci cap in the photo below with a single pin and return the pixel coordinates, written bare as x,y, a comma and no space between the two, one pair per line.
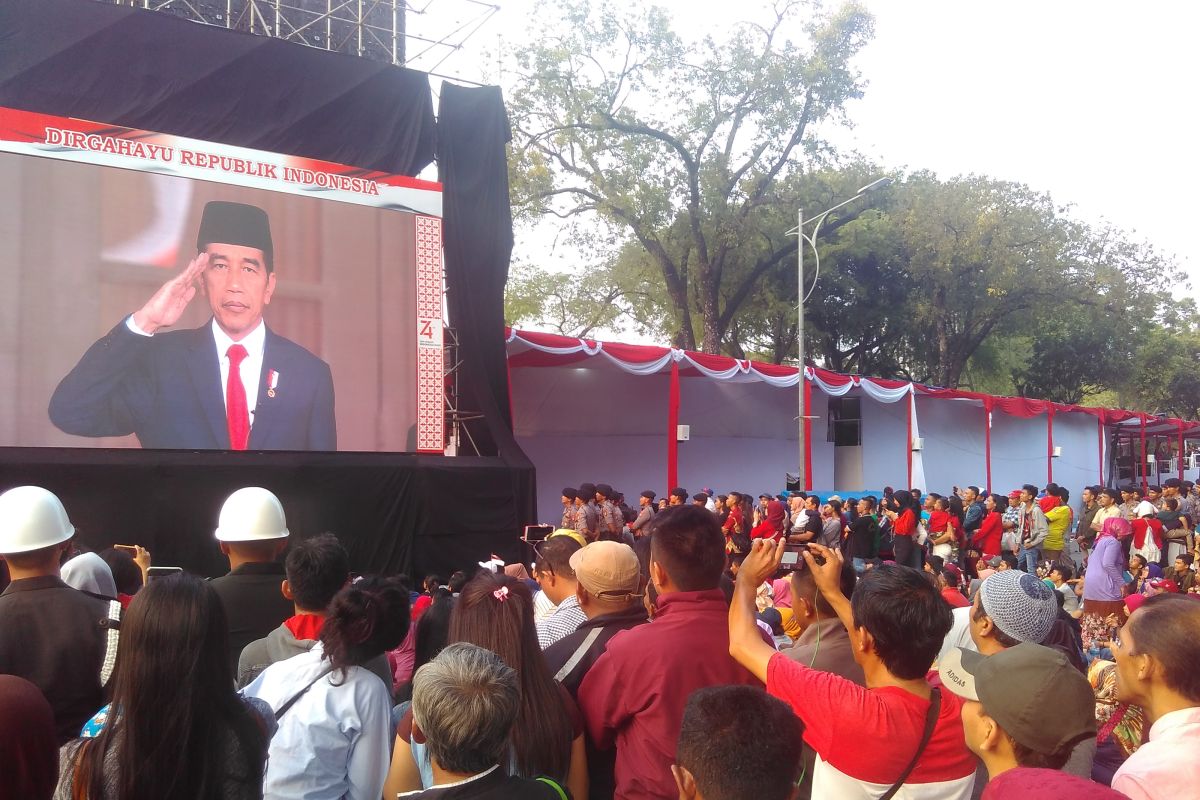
236,223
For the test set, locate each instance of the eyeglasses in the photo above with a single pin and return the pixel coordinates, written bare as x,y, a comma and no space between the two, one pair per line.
541,559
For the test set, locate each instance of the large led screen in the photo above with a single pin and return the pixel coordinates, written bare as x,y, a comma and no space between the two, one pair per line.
173,294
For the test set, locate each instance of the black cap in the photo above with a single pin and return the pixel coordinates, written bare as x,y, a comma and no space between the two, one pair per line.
679,491
604,490
236,223
1172,483
649,495
570,494
587,491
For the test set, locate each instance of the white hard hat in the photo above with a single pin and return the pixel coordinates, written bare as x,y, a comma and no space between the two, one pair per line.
32,518
252,514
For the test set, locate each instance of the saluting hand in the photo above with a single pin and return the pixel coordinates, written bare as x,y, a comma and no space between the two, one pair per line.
167,305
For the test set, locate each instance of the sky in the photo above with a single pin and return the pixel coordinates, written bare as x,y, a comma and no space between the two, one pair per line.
1093,102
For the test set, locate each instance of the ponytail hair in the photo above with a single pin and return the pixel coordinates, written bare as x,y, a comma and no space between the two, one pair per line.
365,620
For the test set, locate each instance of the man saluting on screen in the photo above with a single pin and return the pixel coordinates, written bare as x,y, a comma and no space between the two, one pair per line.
231,384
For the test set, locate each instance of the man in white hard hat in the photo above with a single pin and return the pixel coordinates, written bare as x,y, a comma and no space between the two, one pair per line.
50,634
253,533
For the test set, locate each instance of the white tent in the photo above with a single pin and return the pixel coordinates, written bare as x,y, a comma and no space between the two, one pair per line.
594,411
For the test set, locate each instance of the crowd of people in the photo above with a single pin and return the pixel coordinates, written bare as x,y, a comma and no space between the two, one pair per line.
711,646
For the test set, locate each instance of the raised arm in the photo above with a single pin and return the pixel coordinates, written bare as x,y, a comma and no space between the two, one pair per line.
746,644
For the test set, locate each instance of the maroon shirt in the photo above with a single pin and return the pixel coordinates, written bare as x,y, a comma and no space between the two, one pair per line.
634,696
1028,783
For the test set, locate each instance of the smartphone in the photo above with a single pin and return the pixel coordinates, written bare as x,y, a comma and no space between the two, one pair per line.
793,558
537,533
126,548
162,572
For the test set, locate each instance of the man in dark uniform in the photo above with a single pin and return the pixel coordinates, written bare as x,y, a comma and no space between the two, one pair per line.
587,515
231,384
611,521
50,634
253,534
568,501
645,514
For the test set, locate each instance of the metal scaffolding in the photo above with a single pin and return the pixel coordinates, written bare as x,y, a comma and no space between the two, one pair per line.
375,29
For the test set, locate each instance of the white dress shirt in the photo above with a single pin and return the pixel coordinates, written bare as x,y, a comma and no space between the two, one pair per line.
251,367
335,742
1164,768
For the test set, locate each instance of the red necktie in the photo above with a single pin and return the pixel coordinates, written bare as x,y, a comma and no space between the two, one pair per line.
237,414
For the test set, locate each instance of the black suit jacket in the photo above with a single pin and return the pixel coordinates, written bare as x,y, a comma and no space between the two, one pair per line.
167,389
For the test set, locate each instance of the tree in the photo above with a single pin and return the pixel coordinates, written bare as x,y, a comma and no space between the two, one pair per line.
685,149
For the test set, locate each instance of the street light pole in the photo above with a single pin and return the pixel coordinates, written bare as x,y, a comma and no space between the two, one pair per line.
802,471
811,241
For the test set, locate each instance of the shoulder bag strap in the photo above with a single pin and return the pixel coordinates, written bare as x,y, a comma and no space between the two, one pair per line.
935,709
579,653
283,709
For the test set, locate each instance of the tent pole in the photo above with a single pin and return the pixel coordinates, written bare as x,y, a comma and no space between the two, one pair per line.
987,442
1100,443
673,428
1145,482
807,428
909,439
1179,459
1050,445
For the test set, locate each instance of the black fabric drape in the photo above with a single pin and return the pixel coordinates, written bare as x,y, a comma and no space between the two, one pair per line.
148,70
473,133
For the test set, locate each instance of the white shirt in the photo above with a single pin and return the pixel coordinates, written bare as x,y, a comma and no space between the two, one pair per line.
335,741
1164,768
960,633
542,606
251,367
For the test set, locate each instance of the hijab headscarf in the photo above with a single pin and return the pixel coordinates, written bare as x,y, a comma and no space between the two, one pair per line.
1116,527
87,572
28,748
776,515
782,588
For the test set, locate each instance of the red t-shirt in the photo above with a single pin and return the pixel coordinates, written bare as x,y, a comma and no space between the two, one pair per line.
864,738
954,597
905,524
